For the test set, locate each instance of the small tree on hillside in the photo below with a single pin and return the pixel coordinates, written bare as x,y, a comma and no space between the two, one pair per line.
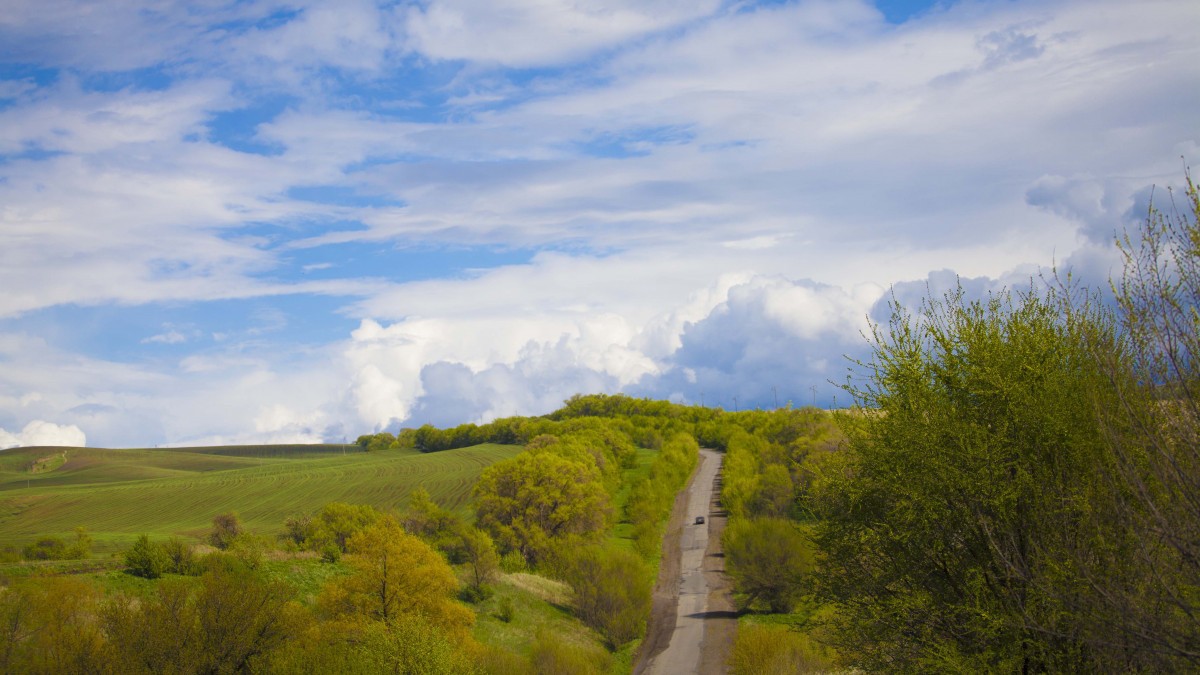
226,528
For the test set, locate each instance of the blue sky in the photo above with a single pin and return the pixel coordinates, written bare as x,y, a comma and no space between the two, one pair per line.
288,221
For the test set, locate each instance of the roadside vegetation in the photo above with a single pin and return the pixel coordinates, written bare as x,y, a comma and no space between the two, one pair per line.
1018,488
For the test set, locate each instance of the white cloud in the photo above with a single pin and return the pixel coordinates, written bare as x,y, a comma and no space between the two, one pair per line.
171,337
40,432
717,193
539,32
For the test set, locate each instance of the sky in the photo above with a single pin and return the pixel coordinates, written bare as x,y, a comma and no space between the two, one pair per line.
274,221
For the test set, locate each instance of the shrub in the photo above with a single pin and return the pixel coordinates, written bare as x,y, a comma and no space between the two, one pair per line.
181,558
512,562
46,548
226,528
553,656
612,592
776,650
146,559
330,553
767,559
505,611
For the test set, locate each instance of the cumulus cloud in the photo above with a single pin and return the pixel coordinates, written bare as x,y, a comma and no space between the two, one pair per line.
752,337
41,432
713,196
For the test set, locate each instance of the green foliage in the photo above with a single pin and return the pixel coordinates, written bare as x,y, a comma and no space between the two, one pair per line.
226,528
1147,601
181,558
512,562
413,645
54,548
505,610
46,548
227,623
483,564
146,559
945,530
396,575
529,502
650,499
46,626
440,528
777,650
612,592
768,561
330,553
336,523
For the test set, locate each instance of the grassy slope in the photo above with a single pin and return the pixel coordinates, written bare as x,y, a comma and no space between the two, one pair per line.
118,494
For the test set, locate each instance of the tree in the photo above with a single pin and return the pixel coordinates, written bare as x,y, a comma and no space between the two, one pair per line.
612,592
768,561
337,522
440,528
226,528
483,565
396,575
156,634
971,473
82,548
240,618
47,626
1142,603
775,492
530,501
146,559
227,623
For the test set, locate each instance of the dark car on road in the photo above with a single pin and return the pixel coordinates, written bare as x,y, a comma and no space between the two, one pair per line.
699,520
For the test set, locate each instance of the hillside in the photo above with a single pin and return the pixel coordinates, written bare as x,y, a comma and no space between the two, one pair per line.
118,494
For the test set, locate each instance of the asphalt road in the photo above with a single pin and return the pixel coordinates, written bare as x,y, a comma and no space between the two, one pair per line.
683,653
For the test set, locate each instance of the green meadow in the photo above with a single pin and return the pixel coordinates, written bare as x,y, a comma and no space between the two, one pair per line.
119,494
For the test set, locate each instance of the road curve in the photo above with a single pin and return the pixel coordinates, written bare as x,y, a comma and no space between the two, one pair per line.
692,612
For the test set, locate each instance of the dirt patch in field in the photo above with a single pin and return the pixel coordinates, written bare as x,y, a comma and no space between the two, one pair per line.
666,589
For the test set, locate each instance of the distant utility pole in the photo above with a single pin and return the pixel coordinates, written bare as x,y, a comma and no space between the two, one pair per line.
701,399
735,407
814,391
775,393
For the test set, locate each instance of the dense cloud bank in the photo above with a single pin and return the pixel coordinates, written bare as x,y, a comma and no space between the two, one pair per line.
268,223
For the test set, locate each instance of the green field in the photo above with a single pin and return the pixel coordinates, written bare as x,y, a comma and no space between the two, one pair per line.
118,494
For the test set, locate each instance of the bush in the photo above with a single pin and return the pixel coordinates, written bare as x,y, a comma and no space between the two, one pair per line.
330,553
181,558
553,656
53,548
612,592
147,559
505,611
768,560
512,562
776,650
474,594
967,494
226,528
46,548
